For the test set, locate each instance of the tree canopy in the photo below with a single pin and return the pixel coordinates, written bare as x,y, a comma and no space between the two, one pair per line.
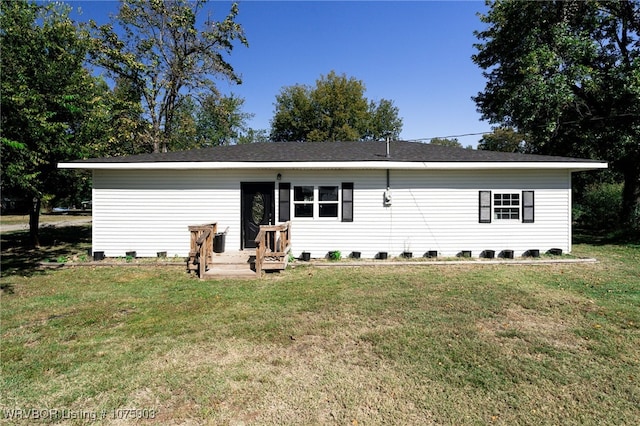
567,74
452,142
170,56
211,121
504,139
334,110
50,102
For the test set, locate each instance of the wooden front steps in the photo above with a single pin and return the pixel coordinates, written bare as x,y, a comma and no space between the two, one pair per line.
272,247
239,264
271,254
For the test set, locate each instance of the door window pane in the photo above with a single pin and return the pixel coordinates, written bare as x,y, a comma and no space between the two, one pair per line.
257,208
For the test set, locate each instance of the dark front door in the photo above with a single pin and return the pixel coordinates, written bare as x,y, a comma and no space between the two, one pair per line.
258,208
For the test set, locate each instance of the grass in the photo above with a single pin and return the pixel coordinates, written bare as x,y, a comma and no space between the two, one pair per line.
452,344
70,242
18,219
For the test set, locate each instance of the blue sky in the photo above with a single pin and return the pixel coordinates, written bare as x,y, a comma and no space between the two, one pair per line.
415,53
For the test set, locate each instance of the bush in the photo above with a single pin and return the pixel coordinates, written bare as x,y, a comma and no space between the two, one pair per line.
600,207
635,218
335,255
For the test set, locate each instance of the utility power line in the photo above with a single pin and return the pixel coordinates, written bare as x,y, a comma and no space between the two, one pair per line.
447,137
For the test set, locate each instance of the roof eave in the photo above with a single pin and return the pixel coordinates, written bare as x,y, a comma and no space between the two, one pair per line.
350,165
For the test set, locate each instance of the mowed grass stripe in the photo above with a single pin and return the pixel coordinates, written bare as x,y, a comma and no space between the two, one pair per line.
548,344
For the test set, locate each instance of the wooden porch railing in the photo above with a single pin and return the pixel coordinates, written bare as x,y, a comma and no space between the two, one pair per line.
272,246
201,249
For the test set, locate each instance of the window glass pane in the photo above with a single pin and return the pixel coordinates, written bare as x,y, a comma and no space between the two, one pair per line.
303,210
257,208
303,193
506,206
506,213
328,193
328,210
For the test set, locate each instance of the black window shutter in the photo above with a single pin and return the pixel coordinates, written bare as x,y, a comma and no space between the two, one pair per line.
527,207
347,201
284,204
485,207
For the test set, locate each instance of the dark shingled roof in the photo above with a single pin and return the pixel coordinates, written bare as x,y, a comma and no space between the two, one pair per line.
332,152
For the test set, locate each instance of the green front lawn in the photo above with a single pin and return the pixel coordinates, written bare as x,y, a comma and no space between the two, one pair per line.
541,344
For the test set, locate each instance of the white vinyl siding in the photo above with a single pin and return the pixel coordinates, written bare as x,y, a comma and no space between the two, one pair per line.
149,211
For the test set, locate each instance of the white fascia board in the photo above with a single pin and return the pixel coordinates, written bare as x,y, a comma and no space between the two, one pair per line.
361,165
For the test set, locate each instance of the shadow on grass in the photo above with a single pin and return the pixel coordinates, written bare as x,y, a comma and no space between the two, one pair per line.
621,237
19,258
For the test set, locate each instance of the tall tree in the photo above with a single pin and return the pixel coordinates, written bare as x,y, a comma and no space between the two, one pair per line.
384,121
221,121
567,74
47,97
334,110
129,130
293,115
253,136
168,53
214,121
504,139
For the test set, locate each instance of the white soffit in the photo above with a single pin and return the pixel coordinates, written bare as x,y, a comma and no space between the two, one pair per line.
351,165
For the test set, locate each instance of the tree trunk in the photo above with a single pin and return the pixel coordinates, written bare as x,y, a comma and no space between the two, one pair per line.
34,222
630,195
155,137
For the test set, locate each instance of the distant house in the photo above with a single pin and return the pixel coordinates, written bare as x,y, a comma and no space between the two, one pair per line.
368,197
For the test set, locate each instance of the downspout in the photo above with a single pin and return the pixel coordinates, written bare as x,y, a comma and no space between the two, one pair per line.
570,213
387,200
387,193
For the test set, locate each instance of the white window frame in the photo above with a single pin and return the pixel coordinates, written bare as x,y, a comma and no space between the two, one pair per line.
335,202
506,204
316,202
493,206
306,201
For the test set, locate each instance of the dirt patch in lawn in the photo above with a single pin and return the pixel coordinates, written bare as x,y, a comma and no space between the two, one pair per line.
517,329
291,382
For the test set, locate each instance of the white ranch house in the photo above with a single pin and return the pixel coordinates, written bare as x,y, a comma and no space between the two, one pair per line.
367,197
